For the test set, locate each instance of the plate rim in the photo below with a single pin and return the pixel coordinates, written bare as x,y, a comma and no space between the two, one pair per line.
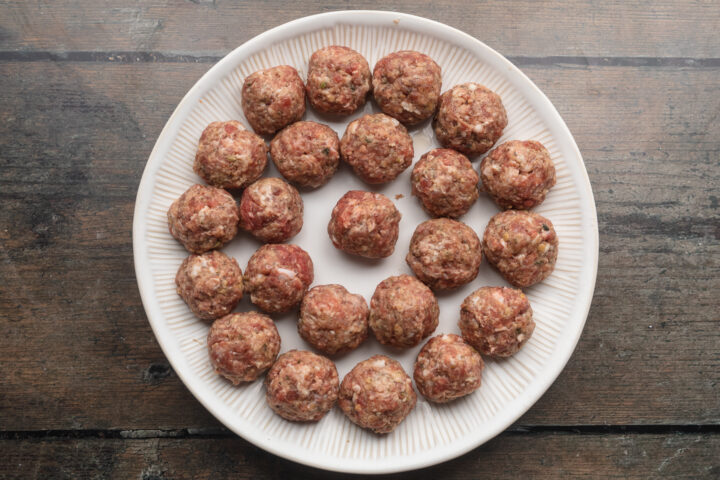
144,275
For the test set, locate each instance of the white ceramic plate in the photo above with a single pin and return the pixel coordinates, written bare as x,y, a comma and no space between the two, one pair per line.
432,433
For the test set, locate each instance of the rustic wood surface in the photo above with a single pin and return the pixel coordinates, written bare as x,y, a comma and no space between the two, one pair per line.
86,87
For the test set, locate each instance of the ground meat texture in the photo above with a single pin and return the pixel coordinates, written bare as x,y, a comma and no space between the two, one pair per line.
332,319
470,119
444,253
203,218
496,321
445,182
271,210
243,345
277,277
365,224
403,311
377,394
229,156
377,147
273,98
306,153
518,174
302,386
406,86
447,368
338,80
210,284
522,245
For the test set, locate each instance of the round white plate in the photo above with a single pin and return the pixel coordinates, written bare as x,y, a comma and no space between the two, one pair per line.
432,433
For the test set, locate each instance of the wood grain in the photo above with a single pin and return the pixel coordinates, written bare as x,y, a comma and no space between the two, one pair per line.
78,352
586,28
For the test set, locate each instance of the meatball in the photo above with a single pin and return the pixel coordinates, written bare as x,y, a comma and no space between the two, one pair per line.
229,156
377,147
447,368
243,345
444,253
306,153
406,85
273,98
332,319
403,311
277,277
365,224
470,119
496,321
302,386
377,394
271,210
518,174
445,182
338,80
522,245
203,218
211,284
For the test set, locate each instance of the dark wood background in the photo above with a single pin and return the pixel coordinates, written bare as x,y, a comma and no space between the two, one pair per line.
86,87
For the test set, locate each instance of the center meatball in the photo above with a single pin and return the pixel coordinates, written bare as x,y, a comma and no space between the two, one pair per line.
271,210
518,174
211,284
522,245
365,224
338,80
306,153
377,147
273,98
203,218
406,85
243,345
229,156
277,277
497,321
403,311
332,319
377,394
302,386
445,182
470,119
447,368
444,253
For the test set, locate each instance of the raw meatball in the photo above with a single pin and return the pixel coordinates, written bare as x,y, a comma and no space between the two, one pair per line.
277,277
338,80
403,311
332,319
406,85
271,210
211,284
365,224
229,156
518,174
445,182
273,98
203,218
470,119
447,368
302,386
444,253
497,321
377,147
377,394
306,153
243,345
522,245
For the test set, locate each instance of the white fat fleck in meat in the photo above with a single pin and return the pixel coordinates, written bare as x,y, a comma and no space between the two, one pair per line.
379,363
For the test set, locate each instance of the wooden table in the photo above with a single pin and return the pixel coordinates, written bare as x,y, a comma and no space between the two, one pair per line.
85,88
